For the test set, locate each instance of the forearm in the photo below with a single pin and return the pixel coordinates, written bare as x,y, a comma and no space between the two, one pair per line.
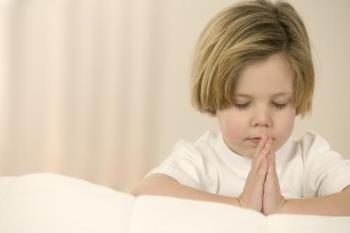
337,204
162,185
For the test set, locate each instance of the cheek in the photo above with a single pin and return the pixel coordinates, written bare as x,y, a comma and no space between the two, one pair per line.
233,128
286,125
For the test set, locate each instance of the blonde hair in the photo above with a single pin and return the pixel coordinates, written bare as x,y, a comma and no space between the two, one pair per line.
244,34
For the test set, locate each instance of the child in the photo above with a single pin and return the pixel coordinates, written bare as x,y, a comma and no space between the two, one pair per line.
253,71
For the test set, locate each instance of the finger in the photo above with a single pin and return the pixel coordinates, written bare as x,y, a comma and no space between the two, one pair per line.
270,137
272,171
262,171
270,168
272,160
260,146
262,155
267,148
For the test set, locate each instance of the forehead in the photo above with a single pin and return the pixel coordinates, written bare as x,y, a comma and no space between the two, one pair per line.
266,78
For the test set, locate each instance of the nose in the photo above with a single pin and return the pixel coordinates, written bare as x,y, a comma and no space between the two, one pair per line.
261,118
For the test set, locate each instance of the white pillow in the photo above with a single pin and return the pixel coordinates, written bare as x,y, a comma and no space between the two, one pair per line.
5,184
154,214
49,203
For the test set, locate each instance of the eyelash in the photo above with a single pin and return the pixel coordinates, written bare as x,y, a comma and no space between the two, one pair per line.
246,105
242,106
279,106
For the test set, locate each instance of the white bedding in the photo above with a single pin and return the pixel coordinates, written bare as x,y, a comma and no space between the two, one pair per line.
42,203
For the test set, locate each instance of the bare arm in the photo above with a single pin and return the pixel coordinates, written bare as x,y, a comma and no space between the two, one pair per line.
163,185
337,204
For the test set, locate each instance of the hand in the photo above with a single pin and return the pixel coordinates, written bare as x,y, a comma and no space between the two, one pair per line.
252,195
273,201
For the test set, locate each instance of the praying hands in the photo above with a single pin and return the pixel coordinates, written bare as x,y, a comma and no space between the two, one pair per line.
262,190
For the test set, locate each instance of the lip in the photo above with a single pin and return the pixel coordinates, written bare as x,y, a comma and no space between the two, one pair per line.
256,140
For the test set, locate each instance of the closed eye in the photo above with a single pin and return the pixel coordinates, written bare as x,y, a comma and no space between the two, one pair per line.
280,106
242,106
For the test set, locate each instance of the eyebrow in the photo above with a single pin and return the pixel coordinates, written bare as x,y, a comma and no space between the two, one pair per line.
274,95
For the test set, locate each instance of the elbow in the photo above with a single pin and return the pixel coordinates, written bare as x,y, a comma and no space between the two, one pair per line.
135,191
139,190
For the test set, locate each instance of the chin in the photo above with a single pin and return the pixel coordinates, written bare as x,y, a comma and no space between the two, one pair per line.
249,154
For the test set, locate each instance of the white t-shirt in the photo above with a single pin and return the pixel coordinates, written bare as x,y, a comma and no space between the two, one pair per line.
305,168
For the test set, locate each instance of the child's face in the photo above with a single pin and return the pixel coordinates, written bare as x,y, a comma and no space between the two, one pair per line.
263,105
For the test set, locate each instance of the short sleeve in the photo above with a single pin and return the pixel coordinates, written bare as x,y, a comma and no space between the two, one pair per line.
185,164
325,171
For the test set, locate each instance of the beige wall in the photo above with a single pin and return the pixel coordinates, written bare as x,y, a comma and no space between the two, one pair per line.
99,89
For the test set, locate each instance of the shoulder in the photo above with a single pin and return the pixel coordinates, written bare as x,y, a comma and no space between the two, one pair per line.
313,141
190,163
203,145
199,154
313,146
325,170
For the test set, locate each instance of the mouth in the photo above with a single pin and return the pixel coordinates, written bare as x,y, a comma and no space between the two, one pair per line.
256,140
